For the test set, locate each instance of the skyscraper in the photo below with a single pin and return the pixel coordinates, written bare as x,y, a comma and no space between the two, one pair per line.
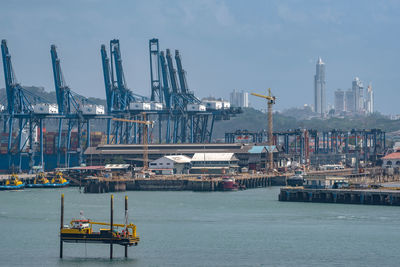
239,99
339,101
369,100
358,90
319,88
349,101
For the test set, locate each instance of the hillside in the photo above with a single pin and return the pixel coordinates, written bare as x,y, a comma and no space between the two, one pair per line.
39,94
254,120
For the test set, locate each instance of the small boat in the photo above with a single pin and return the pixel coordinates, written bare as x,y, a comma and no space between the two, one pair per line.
81,231
229,184
40,181
12,183
58,181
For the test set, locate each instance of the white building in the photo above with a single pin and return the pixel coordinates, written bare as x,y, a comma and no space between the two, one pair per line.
214,163
178,163
319,88
369,100
239,99
358,90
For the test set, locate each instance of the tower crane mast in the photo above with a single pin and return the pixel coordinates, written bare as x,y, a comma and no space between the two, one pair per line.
145,124
270,101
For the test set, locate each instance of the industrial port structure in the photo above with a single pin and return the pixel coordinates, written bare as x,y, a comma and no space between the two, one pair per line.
319,146
181,116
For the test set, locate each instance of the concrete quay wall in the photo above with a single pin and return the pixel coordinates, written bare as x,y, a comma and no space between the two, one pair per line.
154,184
344,196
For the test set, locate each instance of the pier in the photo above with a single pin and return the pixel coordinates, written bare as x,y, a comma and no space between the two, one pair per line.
345,196
179,183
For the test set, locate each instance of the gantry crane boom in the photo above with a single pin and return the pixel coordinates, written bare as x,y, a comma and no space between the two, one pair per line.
271,101
155,71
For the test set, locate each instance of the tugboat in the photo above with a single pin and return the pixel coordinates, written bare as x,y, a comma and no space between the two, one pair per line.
229,184
58,181
12,183
40,181
81,231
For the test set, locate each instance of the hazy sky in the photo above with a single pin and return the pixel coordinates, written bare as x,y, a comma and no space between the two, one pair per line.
225,45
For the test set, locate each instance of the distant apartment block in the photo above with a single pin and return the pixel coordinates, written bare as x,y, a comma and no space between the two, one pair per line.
358,89
369,101
319,88
339,101
356,100
239,99
349,101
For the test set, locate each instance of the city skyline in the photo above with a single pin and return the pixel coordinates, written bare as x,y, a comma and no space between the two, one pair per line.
216,40
355,100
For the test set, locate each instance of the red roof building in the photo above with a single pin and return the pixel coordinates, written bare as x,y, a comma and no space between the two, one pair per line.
391,160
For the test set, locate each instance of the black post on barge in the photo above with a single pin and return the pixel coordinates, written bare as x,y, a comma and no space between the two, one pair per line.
111,225
126,223
61,224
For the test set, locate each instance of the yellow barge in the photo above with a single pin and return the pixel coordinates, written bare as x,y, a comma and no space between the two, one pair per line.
81,231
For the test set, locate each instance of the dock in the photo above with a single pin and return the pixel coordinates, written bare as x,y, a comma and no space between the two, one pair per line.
179,183
345,196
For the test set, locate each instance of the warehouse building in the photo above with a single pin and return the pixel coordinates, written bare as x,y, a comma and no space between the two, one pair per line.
175,164
133,153
214,163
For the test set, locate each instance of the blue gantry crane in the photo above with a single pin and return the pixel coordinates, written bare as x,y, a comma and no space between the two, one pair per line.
157,95
119,97
19,108
168,103
69,106
21,111
76,110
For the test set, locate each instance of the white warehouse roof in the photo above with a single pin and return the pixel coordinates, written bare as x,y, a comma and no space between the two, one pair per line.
214,157
179,158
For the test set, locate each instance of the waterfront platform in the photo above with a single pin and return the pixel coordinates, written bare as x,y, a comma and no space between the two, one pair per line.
179,183
344,196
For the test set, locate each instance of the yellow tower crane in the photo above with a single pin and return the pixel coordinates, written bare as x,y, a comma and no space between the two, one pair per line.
146,124
271,101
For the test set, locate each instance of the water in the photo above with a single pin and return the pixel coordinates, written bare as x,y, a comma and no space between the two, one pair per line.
246,228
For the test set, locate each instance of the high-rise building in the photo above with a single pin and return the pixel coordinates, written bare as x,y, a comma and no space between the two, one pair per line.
339,101
319,88
349,100
358,89
369,100
239,99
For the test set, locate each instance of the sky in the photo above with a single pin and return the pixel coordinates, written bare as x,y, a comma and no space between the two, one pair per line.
225,45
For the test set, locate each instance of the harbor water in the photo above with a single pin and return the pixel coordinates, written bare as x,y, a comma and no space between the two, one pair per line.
245,228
